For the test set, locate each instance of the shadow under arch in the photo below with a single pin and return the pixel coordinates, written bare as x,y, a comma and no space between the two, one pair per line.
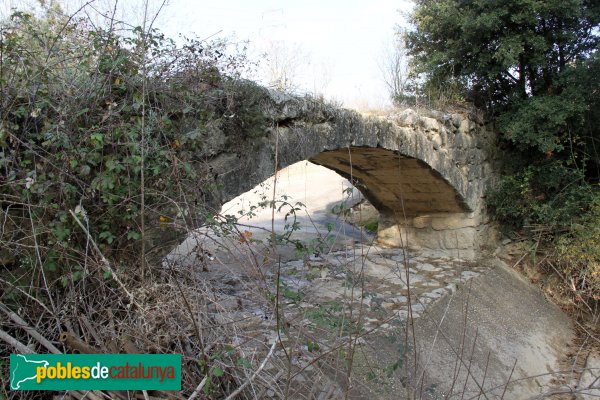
394,183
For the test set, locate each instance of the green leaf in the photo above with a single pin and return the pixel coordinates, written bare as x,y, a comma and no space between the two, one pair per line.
208,386
243,363
229,349
292,294
107,236
132,235
313,346
61,233
217,372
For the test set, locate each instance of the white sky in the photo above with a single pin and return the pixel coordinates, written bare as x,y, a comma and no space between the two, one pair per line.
340,40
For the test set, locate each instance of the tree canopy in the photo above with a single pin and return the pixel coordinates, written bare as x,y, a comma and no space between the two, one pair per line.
533,63
502,49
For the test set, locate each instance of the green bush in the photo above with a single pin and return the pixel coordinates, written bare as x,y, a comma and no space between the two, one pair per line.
84,112
553,204
579,254
549,194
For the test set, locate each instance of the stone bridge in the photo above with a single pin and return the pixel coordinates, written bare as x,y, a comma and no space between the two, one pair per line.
425,171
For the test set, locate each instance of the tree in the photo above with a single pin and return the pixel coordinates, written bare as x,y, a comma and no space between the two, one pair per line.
526,61
283,66
502,49
395,72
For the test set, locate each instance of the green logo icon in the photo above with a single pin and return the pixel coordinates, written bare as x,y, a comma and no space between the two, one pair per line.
23,369
95,372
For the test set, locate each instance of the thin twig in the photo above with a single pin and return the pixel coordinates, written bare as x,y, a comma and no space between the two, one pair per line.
508,381
15,343
105,262
487,362
32,332
198,388
30,297
260,368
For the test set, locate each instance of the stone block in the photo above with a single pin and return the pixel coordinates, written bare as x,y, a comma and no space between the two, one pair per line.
422,221
407,117
456,221
430,124
456,120
437,142
464,238
466,126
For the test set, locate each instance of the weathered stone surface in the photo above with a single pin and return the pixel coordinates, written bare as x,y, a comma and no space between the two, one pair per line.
429,124
409,165
455,221
589,382
423,221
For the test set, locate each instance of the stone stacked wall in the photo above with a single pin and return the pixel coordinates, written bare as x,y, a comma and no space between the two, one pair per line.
425,171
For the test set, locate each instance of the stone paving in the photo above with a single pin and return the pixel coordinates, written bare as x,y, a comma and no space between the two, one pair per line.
365,280
377,278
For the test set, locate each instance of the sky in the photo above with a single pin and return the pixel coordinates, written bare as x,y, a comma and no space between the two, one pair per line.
337,43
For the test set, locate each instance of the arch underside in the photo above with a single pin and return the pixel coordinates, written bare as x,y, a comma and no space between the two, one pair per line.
394,183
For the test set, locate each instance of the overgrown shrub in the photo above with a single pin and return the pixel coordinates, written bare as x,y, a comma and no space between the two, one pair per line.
548,194
579,254
114,127
111,133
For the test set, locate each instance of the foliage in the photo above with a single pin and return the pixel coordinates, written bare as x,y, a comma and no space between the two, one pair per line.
84,112
372,226
579,254
548,194
502,49
395,71
533,63
535,66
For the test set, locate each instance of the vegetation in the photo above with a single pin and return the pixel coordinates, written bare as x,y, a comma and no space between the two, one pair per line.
104,134
535,66
105,125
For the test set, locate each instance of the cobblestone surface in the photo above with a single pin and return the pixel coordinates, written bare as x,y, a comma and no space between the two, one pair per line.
377,279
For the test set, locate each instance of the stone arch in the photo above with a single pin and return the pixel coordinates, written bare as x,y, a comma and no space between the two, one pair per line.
432,170
394,183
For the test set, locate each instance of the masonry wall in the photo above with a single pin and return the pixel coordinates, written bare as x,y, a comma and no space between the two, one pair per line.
425,171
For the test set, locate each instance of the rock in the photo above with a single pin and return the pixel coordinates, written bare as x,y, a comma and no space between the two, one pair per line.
430,124
421,222
469,274
436,294
398,299
437,142
417,307
465,126
460,239
589,382
428,268
454,221
456,120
